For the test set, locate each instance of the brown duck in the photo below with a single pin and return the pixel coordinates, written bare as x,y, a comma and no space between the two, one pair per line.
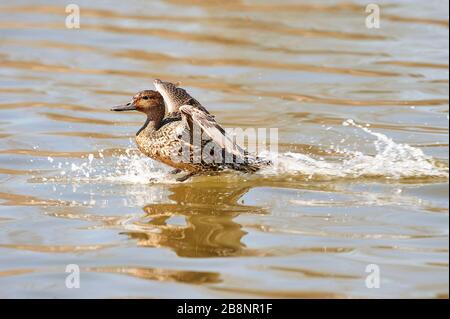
189,138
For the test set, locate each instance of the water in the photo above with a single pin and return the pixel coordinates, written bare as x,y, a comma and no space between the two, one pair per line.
362,175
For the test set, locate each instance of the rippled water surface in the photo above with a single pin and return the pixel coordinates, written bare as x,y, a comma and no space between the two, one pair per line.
363,150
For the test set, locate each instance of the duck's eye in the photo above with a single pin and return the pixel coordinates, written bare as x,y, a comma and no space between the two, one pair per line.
145,97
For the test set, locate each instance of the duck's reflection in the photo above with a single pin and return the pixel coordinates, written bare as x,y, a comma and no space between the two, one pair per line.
208,227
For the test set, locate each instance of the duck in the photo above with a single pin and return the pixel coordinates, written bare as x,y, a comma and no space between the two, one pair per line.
186,136
181,105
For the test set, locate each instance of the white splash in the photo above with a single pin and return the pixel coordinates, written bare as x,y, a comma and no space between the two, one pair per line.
134,168
391,161
127,168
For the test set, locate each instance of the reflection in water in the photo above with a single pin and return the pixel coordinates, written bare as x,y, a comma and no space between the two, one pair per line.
191,277
210,229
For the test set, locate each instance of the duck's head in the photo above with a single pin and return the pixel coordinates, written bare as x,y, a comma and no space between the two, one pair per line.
148,102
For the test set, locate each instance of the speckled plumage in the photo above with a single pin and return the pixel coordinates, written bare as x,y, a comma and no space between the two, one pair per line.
165,143
172,139
175,97
181,104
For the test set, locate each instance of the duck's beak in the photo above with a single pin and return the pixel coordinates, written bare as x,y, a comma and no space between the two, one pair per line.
126,107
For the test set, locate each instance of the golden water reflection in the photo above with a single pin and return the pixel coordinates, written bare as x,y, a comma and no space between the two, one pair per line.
166,275
210,229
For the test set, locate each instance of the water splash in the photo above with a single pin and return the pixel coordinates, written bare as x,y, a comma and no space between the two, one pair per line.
135,168
127,168
390,161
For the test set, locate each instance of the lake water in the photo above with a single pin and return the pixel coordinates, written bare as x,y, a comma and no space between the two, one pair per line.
362,181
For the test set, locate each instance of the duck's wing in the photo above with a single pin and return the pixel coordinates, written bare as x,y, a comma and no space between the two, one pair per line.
175,96
194,116
189,100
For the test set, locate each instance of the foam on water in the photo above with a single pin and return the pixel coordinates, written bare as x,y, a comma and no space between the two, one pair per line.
390,161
